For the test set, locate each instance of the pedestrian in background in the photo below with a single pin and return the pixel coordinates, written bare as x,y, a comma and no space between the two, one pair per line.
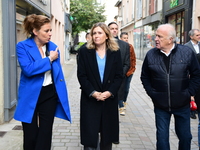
88,38
194,44
100,75
42,90
171,75
125,57
129,74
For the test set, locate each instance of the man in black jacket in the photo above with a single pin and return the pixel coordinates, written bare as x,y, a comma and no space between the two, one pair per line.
194,44
170,76
125,55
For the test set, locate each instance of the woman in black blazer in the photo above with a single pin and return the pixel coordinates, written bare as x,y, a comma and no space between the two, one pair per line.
100,75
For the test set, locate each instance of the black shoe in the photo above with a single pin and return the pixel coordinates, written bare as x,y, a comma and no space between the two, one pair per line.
193,116
116,142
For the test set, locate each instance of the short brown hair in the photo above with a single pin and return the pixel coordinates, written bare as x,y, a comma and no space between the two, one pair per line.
34,21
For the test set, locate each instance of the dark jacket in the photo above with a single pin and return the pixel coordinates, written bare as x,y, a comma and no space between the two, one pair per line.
197,96
96,115
173,89
125,59
125,55
189,44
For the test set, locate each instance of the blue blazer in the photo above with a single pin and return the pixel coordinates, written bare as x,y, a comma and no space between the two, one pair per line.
33,67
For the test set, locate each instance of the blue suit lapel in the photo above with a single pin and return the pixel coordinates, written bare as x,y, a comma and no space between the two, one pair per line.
33,49
55,64
35,54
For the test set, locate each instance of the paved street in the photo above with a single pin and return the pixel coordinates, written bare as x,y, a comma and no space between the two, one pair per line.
137,128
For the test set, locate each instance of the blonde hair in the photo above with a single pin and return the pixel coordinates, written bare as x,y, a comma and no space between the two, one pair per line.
111,42
34,21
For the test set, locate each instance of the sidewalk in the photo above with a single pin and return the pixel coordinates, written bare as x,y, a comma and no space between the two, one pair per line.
137,128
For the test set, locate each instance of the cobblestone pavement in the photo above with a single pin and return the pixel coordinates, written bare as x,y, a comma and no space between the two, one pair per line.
137,127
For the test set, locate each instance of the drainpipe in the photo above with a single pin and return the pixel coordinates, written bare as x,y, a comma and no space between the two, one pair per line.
193,14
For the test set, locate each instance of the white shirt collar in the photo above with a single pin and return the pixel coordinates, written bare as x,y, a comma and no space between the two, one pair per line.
169,51
194,43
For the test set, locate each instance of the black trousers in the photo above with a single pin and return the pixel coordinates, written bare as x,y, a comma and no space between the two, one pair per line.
101,147
38,134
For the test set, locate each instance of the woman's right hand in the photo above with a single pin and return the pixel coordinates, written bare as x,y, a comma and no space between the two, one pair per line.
97,95
54,54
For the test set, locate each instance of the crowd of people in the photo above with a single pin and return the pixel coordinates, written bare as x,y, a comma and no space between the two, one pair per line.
105,66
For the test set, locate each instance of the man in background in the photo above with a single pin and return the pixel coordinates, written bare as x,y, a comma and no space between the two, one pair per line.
129,74
125,55
194,44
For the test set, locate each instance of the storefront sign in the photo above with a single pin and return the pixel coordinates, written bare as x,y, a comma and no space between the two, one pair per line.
173,3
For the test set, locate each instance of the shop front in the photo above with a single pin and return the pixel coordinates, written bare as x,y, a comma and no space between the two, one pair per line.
179,14
144,31
177,20
144,39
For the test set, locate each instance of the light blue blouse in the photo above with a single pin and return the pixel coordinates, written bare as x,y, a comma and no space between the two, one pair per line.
101,65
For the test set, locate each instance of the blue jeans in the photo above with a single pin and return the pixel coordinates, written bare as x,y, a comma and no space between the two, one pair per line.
126,90
127,86
182,128
199,129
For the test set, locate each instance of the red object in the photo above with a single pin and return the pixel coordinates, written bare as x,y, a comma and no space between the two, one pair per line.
193,105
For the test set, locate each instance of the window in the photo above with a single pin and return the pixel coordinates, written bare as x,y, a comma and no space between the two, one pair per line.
139,9
178,21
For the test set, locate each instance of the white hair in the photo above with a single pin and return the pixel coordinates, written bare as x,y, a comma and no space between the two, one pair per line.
171,30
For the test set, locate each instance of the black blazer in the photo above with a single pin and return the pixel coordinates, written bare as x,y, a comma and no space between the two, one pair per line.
96,115
189,44
125,55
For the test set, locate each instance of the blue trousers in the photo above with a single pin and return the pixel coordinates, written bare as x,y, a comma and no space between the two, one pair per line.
199,129
182,128
127,86
126,90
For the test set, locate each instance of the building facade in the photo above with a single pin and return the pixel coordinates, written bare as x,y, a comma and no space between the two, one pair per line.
140,18
141,23
196,14
12,15
179,13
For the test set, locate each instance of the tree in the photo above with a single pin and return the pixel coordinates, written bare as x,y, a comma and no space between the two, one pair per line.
85,13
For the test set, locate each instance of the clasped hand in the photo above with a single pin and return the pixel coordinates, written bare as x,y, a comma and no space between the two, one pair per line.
101,96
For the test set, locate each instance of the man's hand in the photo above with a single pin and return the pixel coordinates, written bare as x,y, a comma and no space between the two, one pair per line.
192,98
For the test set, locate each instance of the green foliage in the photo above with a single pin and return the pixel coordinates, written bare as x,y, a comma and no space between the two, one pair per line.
85,13
79,45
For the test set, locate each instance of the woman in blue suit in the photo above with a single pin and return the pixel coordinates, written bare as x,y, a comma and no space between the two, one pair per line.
42,90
